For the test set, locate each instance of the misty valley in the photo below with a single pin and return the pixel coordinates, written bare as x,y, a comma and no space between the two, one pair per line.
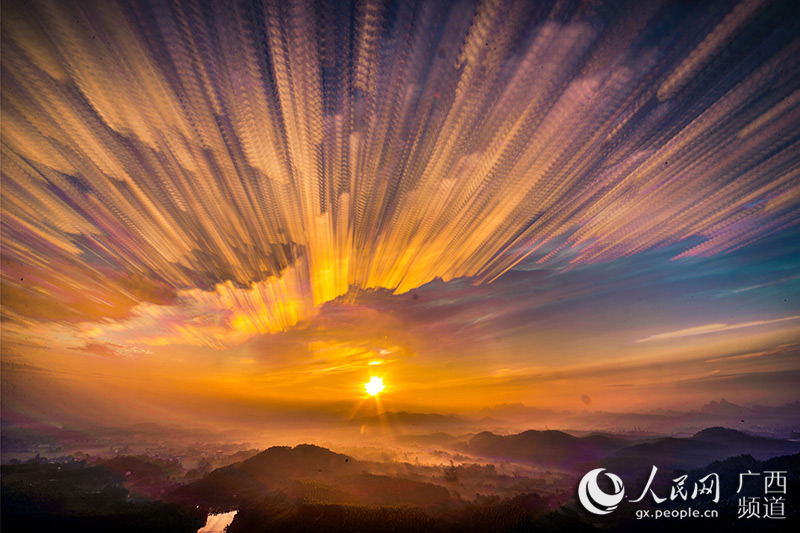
416,472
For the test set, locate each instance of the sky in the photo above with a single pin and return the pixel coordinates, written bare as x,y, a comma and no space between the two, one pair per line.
225,209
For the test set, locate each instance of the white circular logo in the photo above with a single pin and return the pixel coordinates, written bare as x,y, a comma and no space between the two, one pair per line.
594,499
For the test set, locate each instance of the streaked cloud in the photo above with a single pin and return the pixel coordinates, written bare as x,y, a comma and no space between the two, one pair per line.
784,349
714,328
454,146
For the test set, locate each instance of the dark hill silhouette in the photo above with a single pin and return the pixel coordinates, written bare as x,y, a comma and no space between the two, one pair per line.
546,447
279,468
304,460
762,447
708,445
304,473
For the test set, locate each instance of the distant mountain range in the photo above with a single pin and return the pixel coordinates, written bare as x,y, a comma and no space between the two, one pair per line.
284,482
310,473
559,449
552,448
764,420
519,411
296,488
712,444
309,488
505,418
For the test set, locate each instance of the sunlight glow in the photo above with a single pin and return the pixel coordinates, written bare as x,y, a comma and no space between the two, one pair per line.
374,386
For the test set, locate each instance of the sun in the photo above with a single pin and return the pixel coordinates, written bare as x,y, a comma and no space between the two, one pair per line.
374,386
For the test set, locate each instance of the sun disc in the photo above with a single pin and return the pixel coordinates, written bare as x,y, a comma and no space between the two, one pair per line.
374,386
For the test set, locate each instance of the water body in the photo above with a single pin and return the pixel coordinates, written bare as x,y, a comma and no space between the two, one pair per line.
217,523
